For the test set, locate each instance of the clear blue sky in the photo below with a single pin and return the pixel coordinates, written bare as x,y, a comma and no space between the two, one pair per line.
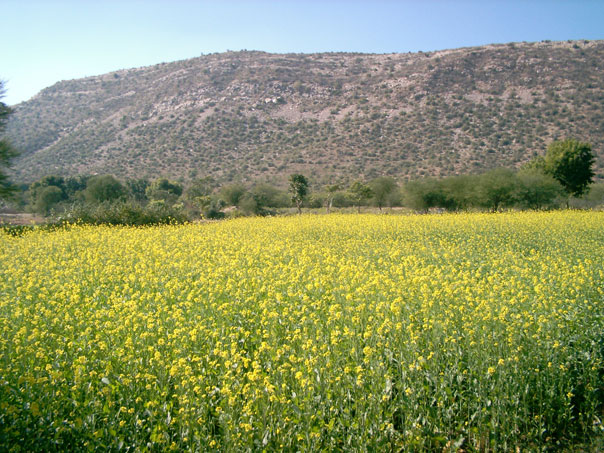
47,41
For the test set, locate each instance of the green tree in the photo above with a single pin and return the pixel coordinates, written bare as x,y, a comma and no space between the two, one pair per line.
382,188
570,162
592,199
536,190
360,193
164,190
341,199
251,205
138,188
198,196
298,187
202,187
49,180
497,189
331,193
7,152
47,198
214,209
316,200
459,192
270,196
233,194
104,188
427,193
42,199
74,185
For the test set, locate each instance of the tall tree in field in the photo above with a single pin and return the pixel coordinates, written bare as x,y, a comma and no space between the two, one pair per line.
570,163
7,152
331,192
360,192
382,187
298,187
497,189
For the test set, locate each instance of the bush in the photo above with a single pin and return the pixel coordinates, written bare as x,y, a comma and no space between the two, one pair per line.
536,190
270,196
15,230
125,213
102,189
164,189
594,199
47,198
496,189
214,211
341,199
316,200
428,193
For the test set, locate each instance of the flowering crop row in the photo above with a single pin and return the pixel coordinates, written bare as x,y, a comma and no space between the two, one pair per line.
315,332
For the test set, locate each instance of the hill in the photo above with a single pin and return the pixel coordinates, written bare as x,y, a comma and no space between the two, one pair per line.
254,115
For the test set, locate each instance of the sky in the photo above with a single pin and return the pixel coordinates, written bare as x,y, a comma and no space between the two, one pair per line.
48,41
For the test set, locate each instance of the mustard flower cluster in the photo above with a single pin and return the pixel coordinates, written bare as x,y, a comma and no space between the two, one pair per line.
341,332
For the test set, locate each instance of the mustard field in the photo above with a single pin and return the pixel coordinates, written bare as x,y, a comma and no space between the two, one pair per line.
342,332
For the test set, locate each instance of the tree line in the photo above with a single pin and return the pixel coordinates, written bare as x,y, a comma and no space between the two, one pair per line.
563,176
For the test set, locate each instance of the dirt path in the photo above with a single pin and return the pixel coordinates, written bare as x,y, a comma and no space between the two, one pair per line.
21,219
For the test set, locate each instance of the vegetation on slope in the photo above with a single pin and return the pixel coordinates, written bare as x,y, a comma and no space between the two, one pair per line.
253,115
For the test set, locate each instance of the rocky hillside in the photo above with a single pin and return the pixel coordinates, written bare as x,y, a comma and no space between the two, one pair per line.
253,115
